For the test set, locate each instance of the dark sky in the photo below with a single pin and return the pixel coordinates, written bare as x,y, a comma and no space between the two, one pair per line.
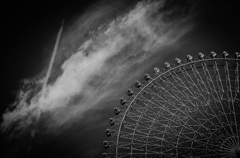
29,33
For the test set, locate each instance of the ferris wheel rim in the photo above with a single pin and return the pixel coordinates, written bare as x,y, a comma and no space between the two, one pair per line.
160,75
212,61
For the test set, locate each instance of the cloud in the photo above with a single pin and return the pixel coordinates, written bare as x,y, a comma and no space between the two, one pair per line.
99,69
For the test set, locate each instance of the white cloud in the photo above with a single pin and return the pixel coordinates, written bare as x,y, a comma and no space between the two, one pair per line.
94,71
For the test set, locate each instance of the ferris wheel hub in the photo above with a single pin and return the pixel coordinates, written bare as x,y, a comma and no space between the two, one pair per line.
236,151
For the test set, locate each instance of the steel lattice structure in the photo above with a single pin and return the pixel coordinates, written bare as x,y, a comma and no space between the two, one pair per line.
190,109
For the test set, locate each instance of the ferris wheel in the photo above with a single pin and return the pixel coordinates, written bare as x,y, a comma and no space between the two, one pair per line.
188,109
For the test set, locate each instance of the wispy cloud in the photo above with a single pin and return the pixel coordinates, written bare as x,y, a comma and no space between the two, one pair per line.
98,69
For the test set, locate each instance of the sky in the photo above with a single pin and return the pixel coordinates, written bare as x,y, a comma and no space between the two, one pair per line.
105,46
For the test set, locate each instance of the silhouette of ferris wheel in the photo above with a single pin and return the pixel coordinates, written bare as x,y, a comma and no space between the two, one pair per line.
190,109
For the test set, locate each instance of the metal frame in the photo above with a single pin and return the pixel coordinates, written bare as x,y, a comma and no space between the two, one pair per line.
190,109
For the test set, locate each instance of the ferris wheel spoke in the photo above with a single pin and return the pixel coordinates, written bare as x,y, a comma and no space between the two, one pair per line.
196,99
163,117
233,96
204,88
226,95
172,104
152,125
195,120
213,90
192,127
217,115
237,93
230,95
164,131
227,155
